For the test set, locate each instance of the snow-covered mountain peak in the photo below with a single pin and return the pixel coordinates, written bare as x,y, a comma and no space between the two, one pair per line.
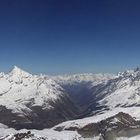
17,72
33,95
130,73
126,72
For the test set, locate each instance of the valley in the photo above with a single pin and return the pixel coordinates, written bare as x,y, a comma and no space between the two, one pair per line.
70,107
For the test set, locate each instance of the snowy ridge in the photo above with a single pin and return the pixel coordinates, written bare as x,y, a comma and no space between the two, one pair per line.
18,88
124,91
133,111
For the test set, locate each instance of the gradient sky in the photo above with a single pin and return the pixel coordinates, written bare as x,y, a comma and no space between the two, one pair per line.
75,36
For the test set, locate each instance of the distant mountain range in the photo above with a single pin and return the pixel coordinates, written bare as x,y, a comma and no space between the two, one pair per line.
97,106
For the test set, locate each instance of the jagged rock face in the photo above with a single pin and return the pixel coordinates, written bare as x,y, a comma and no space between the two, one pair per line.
119,125
33,101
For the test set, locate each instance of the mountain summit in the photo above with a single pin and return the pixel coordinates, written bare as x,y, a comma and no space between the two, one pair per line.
19,72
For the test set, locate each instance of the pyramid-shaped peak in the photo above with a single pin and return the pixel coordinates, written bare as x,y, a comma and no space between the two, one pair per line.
15,68
18,71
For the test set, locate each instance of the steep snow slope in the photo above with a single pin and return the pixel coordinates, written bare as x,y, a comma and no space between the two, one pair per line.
27,100
123,91
18,88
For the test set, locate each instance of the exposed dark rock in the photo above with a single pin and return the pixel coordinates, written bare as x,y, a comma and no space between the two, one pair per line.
22,136
116,126
119,125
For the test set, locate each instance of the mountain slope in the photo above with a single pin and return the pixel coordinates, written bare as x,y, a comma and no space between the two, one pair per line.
80,86
123,91
119,94
112,102
32,101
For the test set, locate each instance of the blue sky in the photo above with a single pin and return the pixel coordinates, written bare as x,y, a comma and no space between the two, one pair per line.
75,36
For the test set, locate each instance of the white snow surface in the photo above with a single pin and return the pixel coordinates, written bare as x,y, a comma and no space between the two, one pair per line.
48,134
18,88
126,91
131,138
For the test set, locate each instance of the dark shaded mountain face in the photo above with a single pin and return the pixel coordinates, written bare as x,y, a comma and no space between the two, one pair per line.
81,88
40,118
81,93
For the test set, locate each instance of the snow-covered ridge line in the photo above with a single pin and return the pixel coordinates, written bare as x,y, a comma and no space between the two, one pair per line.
26,96
18,86
133,111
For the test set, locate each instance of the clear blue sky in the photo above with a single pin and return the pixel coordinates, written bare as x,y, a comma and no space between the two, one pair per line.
69,36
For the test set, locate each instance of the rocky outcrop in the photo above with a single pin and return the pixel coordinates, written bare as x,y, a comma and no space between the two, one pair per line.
120,125
23,136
